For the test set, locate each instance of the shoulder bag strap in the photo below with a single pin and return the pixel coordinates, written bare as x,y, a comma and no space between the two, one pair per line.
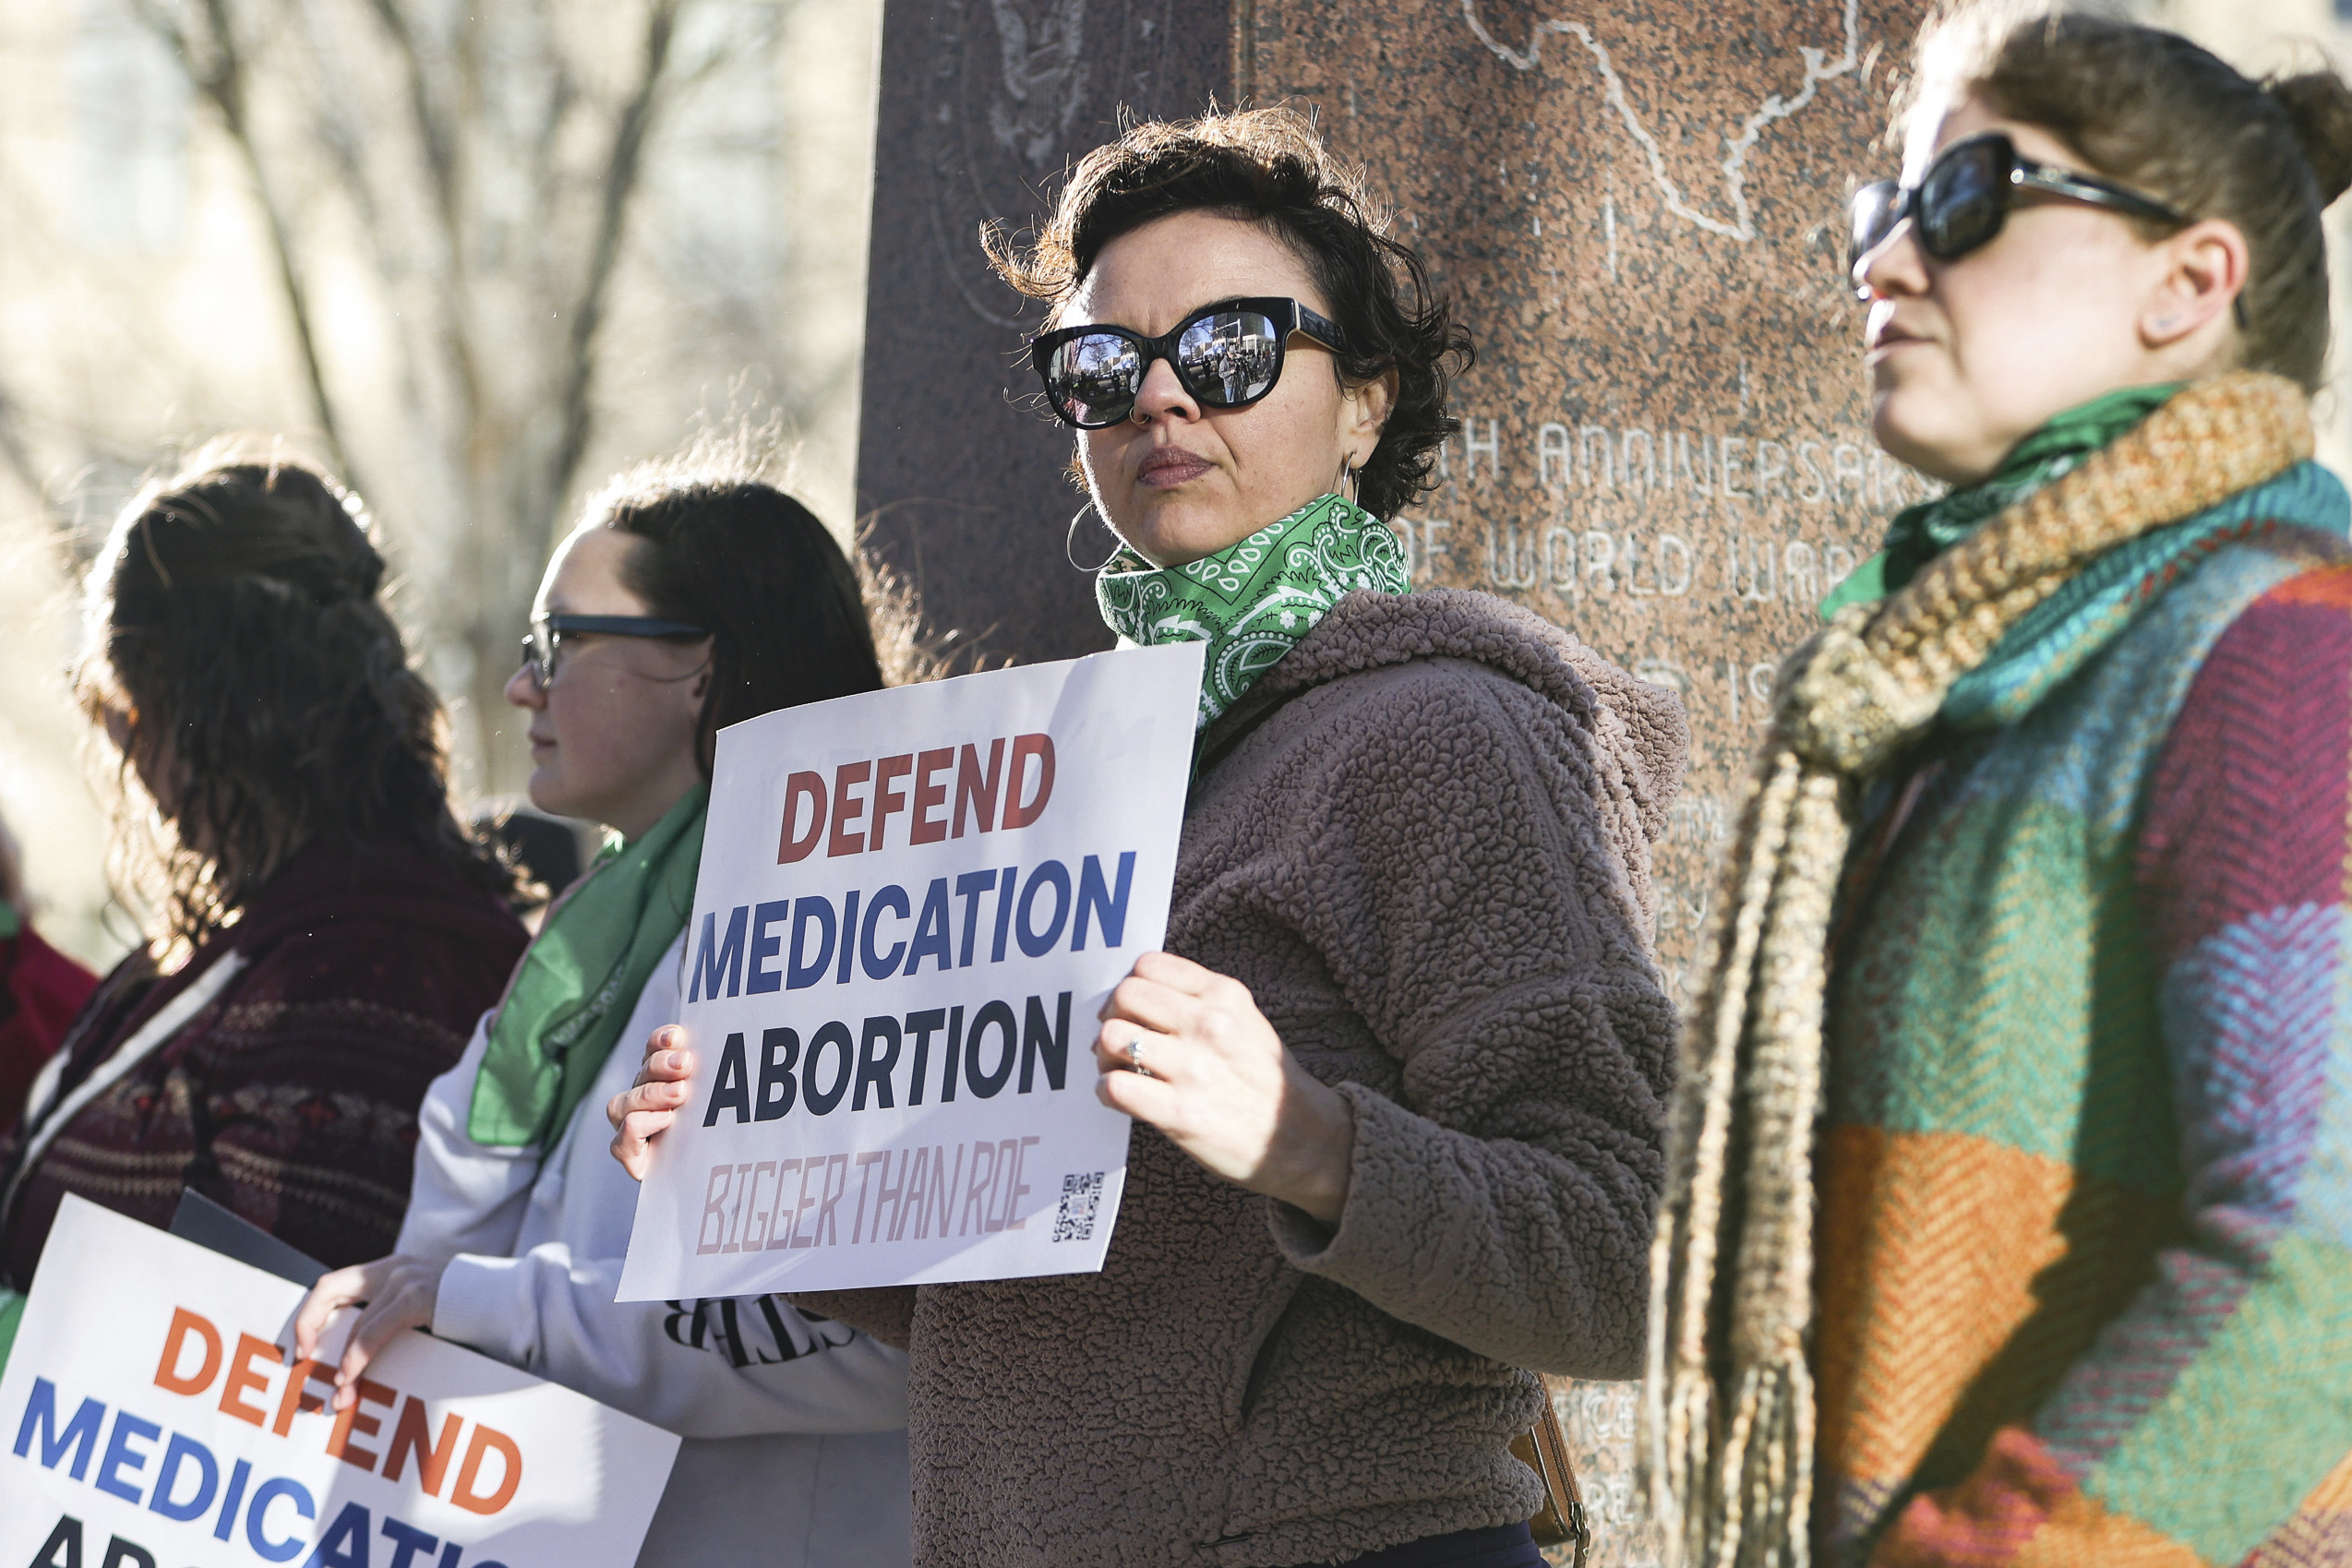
1545,1451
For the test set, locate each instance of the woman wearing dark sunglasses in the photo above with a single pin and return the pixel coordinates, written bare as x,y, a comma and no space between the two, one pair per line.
1398,1076
2008,1223
692,597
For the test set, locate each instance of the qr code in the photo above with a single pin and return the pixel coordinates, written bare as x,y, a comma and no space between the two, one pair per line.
1076,1220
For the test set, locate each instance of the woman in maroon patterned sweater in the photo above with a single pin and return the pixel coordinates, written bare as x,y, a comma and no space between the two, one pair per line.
325,931
40,988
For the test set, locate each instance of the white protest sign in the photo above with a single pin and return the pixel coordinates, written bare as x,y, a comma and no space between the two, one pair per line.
152,1421
912,904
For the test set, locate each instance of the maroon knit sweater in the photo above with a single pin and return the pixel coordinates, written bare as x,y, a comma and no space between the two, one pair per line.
42,991
290,1097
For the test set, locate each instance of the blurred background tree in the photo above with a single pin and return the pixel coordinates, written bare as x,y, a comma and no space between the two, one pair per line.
486,163
473,258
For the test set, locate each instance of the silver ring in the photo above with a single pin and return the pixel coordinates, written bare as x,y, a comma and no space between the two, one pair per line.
1135,1057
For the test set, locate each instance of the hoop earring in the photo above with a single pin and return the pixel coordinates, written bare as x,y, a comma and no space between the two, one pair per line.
1070,540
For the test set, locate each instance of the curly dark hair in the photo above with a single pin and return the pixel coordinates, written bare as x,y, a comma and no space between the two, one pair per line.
233,621
1267,167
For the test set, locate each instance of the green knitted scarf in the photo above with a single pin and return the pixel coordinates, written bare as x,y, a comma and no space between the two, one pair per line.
576,987
1918,534
1254,600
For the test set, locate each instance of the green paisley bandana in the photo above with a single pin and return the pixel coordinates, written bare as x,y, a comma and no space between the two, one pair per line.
1254,600
1918,534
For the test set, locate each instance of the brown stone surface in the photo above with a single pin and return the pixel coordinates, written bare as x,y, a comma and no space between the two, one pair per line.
1638,208
1599,1420
984,102
1667,445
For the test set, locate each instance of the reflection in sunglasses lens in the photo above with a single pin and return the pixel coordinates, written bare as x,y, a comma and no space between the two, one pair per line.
1229,357
1225,358
1875,210
1964,201
1096,377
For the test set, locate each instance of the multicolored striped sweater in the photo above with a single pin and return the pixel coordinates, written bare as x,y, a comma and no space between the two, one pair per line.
2084,1271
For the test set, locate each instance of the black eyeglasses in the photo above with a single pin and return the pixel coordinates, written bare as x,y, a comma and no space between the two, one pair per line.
1962,201
543,645
1228,355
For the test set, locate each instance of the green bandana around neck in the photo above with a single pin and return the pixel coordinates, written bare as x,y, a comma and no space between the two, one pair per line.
1254,600
578,984
1919,533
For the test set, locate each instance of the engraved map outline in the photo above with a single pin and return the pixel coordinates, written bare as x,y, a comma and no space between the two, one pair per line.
1819,68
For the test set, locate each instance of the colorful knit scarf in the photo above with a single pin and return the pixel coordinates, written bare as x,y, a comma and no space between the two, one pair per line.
576,987
1918,534
1973,638
1254,600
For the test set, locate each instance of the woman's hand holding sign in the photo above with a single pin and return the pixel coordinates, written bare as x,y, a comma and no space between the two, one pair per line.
1187,1050
645,1110
1182,1048
397,1292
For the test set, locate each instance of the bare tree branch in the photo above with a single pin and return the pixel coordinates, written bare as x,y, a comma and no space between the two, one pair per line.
221,80
434,132
13,449
440,148
483,166
621,173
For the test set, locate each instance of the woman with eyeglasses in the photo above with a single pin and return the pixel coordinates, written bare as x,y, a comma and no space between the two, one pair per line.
321,930
2008,1219
692,596
1399,1080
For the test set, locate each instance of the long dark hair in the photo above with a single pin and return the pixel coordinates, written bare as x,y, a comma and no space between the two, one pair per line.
1268,167
721,548
234,616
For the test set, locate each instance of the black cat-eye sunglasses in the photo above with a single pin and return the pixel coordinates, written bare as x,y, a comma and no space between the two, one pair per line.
1961,201
1228,355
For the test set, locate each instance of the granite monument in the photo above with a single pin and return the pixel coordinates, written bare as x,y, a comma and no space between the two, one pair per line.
1638,208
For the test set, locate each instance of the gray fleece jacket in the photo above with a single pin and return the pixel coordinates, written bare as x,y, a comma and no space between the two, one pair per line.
1431,867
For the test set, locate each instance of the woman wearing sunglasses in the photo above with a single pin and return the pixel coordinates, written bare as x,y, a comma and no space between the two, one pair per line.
1399,1079
692,597
2008,1214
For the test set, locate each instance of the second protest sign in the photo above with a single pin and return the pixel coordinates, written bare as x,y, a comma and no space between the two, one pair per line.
911,905
151,1417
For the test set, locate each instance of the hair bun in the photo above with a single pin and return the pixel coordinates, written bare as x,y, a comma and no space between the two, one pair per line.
2319,105
324,579
365,575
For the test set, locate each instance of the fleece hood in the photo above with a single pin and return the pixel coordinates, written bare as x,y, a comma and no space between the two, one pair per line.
1641,735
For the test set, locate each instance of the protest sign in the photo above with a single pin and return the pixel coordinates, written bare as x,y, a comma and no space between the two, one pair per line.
155,1419
912,904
